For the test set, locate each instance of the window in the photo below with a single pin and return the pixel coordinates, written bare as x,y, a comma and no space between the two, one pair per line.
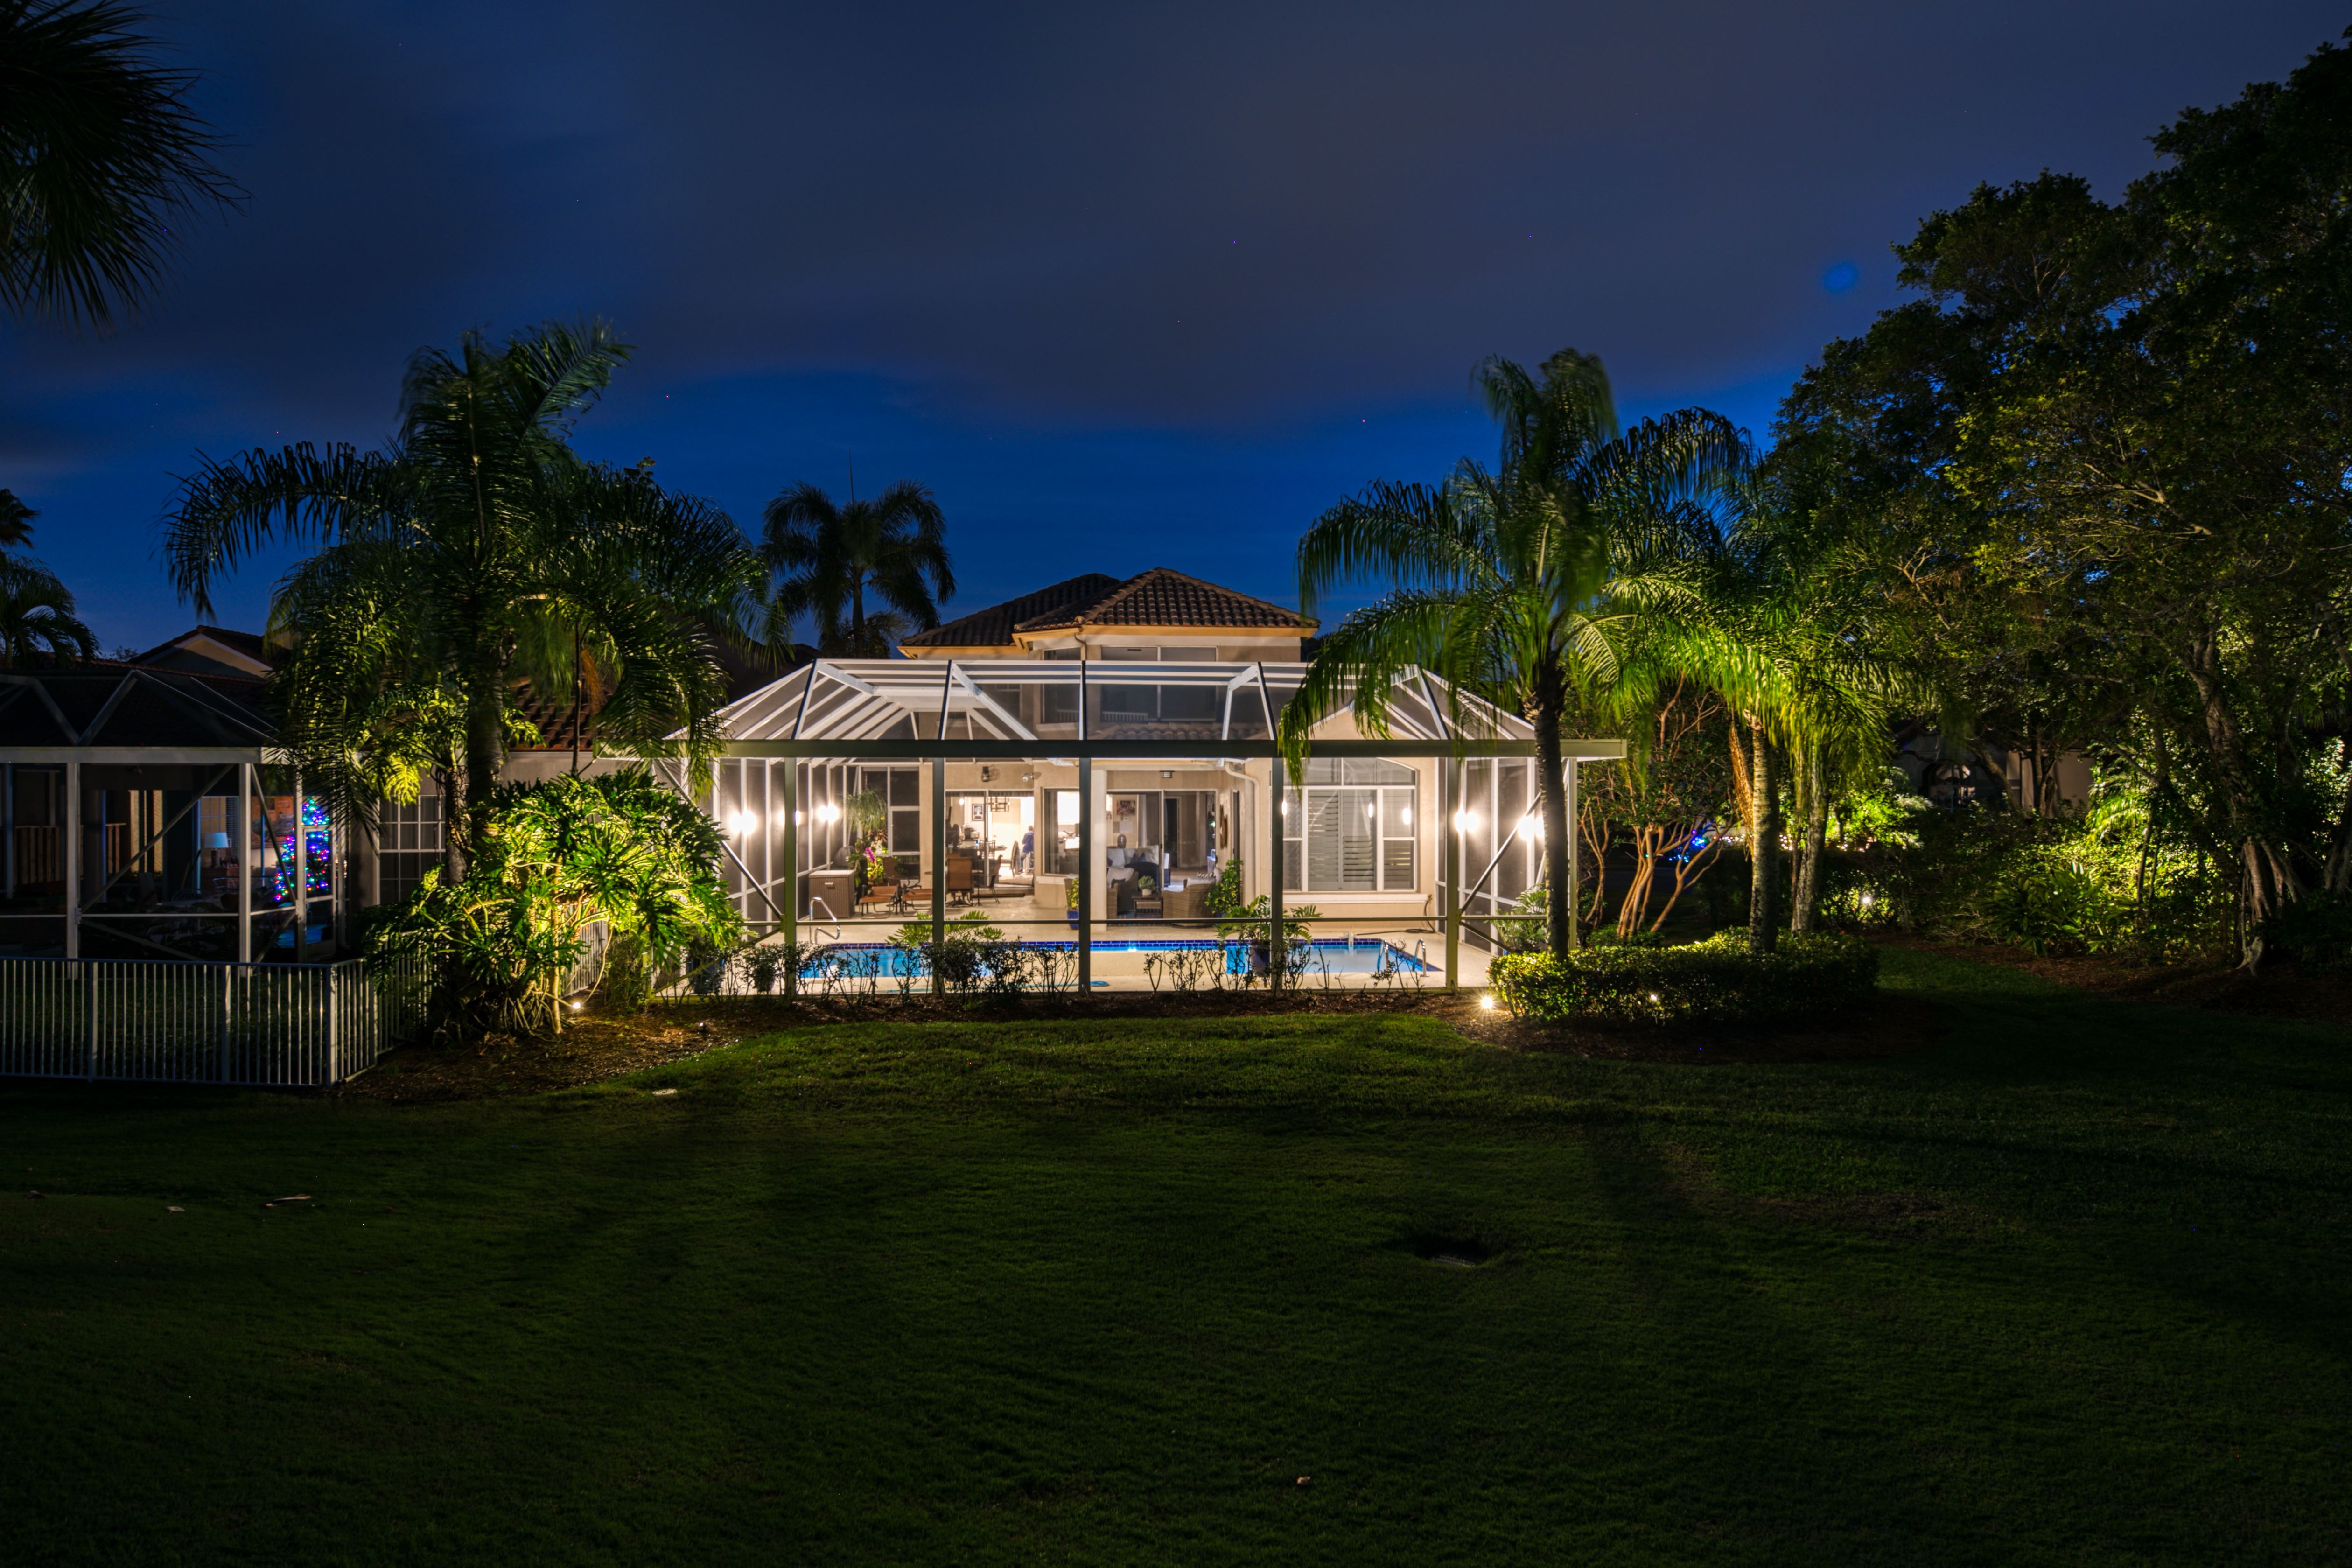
1064,859
1350,829
901,790
409,843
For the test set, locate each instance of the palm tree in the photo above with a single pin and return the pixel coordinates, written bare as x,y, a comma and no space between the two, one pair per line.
38,625
1569,576
474,552
827,557
16,521
1787,645
99,154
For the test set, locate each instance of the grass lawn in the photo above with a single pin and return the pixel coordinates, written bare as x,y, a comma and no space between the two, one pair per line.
2071,1286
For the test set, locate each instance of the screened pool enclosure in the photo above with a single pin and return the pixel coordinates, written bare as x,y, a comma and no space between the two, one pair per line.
1088,808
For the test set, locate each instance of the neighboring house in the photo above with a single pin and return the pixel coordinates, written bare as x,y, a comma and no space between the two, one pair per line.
1993,772
213,650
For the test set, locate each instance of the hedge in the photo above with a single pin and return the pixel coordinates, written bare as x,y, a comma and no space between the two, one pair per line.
1716,981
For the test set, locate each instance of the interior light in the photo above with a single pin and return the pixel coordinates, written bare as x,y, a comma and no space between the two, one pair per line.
1408,816
1371,809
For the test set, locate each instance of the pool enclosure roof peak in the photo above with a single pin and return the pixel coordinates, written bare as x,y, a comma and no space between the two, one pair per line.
123,709
1062,707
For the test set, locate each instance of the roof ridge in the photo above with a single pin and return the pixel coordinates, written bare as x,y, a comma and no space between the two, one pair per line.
1135,583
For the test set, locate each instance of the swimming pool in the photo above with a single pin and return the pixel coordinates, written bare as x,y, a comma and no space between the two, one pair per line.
1363,955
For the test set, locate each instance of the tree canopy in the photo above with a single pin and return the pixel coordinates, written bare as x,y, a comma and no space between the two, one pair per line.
473,554
2097,469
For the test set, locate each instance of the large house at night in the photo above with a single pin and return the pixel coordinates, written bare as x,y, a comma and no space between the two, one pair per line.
1152,693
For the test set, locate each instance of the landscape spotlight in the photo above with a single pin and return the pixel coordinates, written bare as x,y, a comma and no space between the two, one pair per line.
1486,1003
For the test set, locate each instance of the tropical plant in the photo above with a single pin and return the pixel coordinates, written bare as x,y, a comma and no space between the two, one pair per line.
16,521
1568,578
556,857
38,624
477,552
828,558
1670,798
99,152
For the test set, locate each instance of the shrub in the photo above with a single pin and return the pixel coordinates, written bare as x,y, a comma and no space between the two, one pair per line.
1716,981
556,857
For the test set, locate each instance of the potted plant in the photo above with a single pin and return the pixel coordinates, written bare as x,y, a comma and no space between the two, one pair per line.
1070,900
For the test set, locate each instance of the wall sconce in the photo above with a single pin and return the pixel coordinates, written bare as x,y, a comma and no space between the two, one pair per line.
743,823
828,813
1532,825
1466,822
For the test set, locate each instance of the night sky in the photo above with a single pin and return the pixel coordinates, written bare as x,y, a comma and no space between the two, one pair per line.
1127,288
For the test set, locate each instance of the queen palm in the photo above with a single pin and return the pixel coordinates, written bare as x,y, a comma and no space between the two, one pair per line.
828,558
99,154
1570,576
16,521
38,624
475,551
1788,645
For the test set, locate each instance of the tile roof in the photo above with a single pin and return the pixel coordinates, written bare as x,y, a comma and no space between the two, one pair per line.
993,628
1159,597
1165,597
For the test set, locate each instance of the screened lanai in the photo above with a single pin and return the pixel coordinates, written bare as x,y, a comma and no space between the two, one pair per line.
146,813
1093,805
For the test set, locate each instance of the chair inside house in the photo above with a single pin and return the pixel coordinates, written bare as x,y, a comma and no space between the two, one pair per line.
878,896
958,869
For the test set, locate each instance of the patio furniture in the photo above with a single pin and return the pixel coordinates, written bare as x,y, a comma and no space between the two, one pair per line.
959,878
880,896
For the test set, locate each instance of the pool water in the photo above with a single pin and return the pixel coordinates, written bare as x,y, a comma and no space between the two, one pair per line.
1327,955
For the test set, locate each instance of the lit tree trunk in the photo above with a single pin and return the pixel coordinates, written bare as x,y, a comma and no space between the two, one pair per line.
1809,847
486,733
1763,843
1559,899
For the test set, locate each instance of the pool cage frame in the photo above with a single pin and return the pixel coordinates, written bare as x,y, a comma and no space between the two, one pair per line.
935,713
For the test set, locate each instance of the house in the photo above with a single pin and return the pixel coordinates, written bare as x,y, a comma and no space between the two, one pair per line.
1096,753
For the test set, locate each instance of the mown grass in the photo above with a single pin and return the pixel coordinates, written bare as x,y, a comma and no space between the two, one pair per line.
2070,1287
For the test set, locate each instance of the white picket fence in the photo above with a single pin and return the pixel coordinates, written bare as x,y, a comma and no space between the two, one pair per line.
274,1024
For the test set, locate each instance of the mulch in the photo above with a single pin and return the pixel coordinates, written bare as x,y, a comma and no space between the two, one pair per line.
594,1047
2281,990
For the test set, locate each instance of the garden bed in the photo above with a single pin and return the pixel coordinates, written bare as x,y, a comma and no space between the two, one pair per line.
2283,990
593,1047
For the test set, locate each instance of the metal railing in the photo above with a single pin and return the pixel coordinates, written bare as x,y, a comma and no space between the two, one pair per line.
160,1021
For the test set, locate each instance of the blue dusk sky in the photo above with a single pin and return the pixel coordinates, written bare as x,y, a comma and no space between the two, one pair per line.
1125,286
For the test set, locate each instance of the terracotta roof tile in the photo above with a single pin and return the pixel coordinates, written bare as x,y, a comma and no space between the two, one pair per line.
993,627
1165,597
